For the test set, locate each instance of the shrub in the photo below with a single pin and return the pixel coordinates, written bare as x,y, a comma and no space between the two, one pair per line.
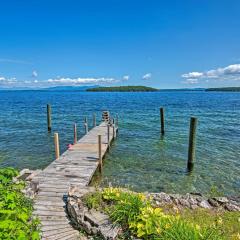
133,211
15,209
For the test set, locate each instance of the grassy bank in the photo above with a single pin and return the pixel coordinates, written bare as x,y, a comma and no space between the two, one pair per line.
16,221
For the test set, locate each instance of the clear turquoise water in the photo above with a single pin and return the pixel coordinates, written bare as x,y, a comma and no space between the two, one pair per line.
139,157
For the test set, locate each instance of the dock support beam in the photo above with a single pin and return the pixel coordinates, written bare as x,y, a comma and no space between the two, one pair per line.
86,125
117,121
162,121
94,120
192,143
75,133
108,135
114,135
56,142
49,120
100,152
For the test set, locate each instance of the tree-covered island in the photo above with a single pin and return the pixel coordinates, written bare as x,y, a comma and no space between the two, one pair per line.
123,89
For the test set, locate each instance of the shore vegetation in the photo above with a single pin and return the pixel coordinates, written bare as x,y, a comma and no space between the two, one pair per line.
140,218
16,220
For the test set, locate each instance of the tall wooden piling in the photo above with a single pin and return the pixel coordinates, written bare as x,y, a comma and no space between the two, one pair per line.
49,120
86,125
114,135
100,152
192,143
117,120
56,142
94,120
162,121
75,133
108,135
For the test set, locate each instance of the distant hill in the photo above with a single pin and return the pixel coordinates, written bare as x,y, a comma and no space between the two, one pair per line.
69,88
183,89
224,89
123,89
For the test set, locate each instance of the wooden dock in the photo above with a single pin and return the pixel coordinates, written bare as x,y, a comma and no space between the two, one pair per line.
76,166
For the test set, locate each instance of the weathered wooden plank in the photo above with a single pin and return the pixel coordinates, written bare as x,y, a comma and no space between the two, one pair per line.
49,208
55,232
49,213
62,236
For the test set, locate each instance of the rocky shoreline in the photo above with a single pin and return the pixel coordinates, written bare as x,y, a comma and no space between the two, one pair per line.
196,200
97,223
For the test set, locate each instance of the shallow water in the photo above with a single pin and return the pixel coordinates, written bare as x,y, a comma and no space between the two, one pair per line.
139,157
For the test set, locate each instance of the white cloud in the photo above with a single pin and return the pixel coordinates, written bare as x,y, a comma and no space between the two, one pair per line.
79,81
59,81
191,81
7,81
126,77
231,72
147,76
34,74
192,75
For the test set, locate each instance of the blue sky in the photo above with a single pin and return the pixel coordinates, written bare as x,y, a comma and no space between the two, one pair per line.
164,44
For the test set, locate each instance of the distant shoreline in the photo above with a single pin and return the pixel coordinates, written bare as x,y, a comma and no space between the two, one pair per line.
123,89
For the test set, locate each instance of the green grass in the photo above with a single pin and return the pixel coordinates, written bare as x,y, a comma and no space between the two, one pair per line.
227,222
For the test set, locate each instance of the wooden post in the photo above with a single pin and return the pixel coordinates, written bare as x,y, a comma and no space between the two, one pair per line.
192,143
56,142
100,152
113,131
162,121
94,120
117,120
108,135
75,133
49,121
86,125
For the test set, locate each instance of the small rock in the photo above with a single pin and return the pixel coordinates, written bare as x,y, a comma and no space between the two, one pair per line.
213,202
204,204
24,174
221,200
231,207
194,206
184,202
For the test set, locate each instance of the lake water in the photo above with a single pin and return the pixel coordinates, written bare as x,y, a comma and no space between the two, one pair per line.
139,158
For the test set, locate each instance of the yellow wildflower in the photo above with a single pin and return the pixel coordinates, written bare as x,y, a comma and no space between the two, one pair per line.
167,226
159,230
238,236
197,227
219,221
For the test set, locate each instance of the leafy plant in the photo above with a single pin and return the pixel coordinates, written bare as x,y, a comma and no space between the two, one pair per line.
16,221
93,200
134,212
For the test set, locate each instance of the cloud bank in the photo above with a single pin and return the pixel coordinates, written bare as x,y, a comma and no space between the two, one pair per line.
231,72
79,81
59,81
